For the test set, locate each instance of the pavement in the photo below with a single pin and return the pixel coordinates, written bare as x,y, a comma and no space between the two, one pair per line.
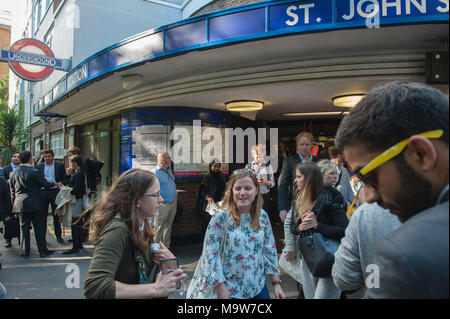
60,276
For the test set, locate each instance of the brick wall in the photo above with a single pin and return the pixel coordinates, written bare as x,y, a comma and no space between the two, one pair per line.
5,35
187,228
41,129
222,4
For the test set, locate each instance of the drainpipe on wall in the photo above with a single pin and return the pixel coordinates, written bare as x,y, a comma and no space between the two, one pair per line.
31,83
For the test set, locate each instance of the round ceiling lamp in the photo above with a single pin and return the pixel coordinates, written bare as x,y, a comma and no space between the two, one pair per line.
347,100
244,106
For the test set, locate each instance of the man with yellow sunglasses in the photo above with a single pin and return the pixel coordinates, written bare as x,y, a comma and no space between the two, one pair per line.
396,141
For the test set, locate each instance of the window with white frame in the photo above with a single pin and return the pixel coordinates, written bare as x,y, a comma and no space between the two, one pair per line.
57,144
38,143
37,14
48,38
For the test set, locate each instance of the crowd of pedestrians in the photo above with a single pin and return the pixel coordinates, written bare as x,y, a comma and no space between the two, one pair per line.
381,195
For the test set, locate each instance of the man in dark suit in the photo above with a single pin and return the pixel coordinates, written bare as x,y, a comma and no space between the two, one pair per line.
26,183
5,200
6,171
15,162
53,172
396,142
286,189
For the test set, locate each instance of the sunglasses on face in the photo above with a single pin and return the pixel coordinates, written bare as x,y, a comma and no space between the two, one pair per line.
390,153
245,170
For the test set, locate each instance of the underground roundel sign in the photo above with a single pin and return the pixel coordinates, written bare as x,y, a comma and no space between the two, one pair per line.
31,59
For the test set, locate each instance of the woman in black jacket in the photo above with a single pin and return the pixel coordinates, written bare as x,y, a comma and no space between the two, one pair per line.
78,184
321,208
211,190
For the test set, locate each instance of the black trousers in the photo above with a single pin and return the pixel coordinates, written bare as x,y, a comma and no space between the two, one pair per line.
77,238
48,197
268,207
39,224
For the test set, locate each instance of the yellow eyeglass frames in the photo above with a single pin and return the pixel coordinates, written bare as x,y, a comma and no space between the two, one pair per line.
389,154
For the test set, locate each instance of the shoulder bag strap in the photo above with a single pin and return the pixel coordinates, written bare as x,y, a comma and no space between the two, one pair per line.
85,184
170,176
350,209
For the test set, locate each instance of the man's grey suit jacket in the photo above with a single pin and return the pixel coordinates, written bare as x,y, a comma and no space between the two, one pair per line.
26,183
413,260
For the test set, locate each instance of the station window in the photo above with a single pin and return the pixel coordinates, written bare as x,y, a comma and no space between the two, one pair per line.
48,38
37,12
38,145
57,144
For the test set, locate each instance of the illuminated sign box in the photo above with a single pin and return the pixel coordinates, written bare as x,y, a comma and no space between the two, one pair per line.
237,24
253,22
185,35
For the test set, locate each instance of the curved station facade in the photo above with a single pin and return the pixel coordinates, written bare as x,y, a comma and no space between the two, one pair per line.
167,88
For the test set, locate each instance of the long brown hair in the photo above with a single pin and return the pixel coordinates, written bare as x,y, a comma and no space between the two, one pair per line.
229,204
122,199
311,187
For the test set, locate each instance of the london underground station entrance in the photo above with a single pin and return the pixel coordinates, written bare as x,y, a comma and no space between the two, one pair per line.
168,77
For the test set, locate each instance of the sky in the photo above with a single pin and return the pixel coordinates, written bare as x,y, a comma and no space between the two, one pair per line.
8,4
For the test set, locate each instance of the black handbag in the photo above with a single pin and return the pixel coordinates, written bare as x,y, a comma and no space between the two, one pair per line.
318,253
317,250
12,228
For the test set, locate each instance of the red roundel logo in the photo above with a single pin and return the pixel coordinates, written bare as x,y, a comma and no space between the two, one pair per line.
31,50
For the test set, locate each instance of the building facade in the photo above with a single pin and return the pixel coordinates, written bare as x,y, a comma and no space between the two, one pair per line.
5,36
156,75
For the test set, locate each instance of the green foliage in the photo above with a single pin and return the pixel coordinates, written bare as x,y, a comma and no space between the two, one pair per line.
4,94
13,134
7,153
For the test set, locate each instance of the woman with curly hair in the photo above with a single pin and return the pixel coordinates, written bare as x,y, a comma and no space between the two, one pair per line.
123,263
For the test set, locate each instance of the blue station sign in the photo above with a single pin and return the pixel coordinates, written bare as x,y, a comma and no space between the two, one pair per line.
256,21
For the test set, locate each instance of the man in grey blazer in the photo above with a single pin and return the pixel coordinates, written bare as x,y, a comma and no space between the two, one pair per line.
5,171
396,141
26,183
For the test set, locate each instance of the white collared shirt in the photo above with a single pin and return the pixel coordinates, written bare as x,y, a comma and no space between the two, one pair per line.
305,160
49,172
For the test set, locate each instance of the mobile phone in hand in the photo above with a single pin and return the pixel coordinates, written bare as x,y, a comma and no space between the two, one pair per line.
169,265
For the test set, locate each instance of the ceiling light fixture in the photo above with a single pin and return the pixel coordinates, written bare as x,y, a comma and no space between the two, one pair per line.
347,100
130,81
244,106
314,114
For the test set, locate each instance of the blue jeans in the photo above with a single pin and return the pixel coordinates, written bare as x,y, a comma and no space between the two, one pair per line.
264,294
2,291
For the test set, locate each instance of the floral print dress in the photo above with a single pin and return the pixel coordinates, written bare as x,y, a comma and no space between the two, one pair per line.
247,256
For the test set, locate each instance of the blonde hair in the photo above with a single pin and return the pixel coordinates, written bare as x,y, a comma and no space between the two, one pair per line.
229,204
259,149
326,166
305,134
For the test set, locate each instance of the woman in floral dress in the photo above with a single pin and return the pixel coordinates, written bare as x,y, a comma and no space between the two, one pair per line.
242,228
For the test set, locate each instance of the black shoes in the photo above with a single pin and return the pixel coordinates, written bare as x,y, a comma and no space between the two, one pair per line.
46,253
71,251
8,243
60,240
25,255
